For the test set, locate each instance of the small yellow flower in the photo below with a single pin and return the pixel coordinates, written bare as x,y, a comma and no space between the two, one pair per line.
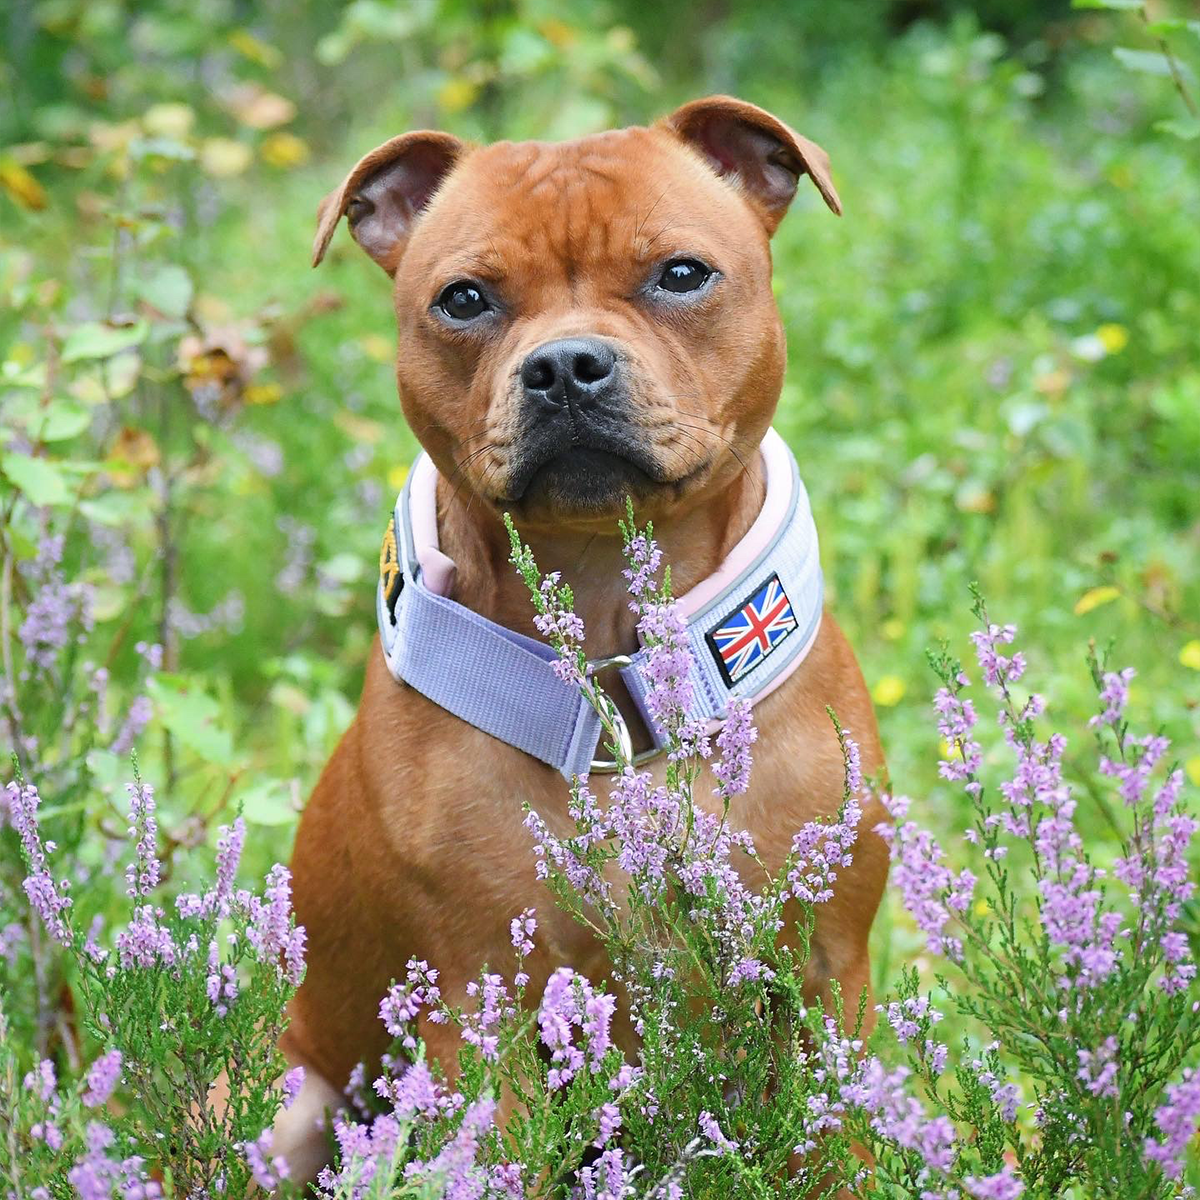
888,691
456,94
223,158
169,120
263,393
982,907
892,629
1190,654
1192,767
1114,337
284,150
397,475
377,347
1095,597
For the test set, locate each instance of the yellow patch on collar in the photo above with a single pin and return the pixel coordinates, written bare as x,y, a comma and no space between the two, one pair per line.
389,567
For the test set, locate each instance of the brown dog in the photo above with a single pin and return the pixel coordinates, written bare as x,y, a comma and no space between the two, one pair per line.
648,249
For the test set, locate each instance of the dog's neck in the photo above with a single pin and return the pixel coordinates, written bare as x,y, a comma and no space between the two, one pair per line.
694,544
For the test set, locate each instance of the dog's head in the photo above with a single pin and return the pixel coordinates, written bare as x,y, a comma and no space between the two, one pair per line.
587,320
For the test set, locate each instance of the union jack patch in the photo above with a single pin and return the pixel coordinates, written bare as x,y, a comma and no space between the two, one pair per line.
749,634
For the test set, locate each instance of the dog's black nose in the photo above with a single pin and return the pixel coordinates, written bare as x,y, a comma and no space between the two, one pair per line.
572,371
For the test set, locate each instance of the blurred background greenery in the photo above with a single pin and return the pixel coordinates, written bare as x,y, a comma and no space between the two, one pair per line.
993,369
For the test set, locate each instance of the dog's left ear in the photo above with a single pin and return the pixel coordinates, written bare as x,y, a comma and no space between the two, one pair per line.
747,143
386,192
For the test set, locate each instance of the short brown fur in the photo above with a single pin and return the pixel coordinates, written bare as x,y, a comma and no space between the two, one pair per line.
413,842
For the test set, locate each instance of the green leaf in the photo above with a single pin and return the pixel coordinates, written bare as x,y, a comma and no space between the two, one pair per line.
269,803
1148,62
39,479
97,340
1187,128
59,420
168,290
192,716
1113,5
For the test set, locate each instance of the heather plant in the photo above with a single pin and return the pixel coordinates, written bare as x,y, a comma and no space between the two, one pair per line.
739,1085
184,1001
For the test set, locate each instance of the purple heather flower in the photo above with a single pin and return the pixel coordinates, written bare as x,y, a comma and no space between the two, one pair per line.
712,1131
95,1175
1177,1122
136,719
929,888
1098,1068
102,1079
521,930
47,898
998,670
1004,1185
145,871
268,1170
454,1169
271,932
734,740
1115,695
293,1081
821,849
569,1002
404,1001
608,1122
478,1028
606,1179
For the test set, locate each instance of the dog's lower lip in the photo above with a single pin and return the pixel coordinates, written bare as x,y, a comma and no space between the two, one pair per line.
598,456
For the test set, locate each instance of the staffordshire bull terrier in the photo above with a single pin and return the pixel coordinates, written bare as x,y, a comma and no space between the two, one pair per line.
578,323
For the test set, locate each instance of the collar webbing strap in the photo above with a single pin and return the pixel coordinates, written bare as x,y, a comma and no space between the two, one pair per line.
749,626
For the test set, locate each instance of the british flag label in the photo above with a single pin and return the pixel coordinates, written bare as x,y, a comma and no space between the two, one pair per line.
753,632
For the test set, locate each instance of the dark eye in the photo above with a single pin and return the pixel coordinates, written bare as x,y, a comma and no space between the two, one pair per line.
462,301
684,275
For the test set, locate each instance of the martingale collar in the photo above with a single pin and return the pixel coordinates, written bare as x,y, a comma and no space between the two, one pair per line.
749,626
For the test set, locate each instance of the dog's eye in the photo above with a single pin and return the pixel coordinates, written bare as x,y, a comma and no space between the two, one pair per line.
462,301
684,275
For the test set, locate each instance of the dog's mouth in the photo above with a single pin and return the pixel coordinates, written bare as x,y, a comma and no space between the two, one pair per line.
583,479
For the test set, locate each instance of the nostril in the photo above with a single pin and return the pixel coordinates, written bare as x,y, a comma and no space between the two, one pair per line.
593,365
538,373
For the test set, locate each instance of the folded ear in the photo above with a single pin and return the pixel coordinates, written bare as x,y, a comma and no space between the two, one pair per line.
385,192
747,143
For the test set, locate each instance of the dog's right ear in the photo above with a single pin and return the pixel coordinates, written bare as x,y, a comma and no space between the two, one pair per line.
385,193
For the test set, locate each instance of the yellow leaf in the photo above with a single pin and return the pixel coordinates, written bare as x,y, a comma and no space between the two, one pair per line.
360,429
223,158
456,94
256,107
1052,383
248,46
1094,597
169,120
284,150
1192,767
21,186
263,393
377,347
1114,337
557,33
888,691
1190,655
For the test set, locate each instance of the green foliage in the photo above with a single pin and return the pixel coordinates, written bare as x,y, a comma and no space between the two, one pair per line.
992,372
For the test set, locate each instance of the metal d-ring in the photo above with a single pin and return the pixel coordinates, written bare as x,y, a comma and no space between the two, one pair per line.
609,766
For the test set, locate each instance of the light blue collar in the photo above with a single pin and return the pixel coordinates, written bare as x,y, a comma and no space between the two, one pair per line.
750,624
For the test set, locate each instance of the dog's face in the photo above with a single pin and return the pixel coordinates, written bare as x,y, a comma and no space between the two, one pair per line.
589,320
